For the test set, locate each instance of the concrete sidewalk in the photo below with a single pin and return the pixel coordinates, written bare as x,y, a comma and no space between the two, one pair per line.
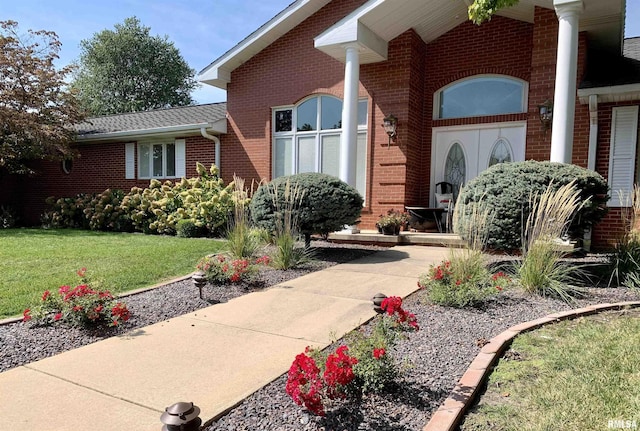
214,357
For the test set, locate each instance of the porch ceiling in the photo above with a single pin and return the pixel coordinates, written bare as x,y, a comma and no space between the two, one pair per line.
377,22
602,19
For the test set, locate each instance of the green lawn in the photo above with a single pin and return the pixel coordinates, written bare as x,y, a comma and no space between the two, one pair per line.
34,260
575,375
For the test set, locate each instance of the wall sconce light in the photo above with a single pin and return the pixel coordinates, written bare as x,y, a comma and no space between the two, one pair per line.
546,114
390,124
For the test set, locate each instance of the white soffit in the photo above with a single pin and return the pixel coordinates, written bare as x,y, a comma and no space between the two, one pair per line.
218,73
377,22
617,93
602,19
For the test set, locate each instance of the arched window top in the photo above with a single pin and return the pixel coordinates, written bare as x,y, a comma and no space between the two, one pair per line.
481,95
315,113
501,152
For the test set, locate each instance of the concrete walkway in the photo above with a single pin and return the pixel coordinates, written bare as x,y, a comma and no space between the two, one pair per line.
214,357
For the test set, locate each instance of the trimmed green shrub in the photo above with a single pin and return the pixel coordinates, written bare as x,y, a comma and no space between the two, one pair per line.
327,205
186,228
506,188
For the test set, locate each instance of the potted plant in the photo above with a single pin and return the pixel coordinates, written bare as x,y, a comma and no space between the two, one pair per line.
392,222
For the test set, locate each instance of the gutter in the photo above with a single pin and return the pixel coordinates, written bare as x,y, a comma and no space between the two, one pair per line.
157,131
614,93
216,140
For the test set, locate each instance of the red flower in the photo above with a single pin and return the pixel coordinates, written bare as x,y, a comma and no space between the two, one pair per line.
45,295
379,353
57,317
304,384
98,309
339,371
498,287
63,290
439,274
77,308
263,260
391,304
26,316
120,311
235,277
458,282
81,272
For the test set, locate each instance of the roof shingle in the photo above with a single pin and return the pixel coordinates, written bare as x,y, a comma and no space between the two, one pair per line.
131,122
605,70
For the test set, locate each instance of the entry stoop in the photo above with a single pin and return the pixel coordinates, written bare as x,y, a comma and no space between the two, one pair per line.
405,238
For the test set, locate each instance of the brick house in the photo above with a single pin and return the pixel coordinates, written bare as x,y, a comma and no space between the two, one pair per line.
308,91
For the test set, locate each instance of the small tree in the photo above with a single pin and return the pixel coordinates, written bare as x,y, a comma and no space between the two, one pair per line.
328,204
482,10
128,70
36,109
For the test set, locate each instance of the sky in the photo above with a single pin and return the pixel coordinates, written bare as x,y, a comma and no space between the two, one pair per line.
202,30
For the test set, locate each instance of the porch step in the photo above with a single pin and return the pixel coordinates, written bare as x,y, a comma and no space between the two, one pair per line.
405,238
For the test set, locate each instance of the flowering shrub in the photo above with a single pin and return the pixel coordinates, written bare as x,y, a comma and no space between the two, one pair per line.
220,269
462,281
308,389
393,307
304,384
364,364
79,305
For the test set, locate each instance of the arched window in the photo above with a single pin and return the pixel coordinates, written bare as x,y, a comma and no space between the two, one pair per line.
501,152
481,95
455,167
306,138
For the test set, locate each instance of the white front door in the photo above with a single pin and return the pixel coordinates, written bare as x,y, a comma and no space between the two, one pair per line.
460,153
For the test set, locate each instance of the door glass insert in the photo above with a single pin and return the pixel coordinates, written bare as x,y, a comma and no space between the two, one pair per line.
455,167
501,153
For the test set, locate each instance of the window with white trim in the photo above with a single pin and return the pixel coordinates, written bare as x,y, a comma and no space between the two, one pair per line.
306,138
156,160
481,95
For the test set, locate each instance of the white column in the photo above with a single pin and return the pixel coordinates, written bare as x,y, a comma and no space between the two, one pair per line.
564,100
349,140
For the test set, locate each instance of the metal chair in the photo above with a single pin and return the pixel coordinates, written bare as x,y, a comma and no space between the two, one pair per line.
446,188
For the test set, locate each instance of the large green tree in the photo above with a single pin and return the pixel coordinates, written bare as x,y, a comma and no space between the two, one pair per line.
482,10
37,111
128,70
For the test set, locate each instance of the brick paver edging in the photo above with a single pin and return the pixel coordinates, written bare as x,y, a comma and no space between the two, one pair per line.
451,412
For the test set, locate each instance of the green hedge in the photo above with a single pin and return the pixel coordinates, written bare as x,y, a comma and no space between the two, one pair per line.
506,188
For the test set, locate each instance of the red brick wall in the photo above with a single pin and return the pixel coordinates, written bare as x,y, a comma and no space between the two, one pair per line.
501,46
285,72
613,226
100,166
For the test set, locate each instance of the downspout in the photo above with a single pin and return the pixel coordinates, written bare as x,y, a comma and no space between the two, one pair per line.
593,131
216,140
593,148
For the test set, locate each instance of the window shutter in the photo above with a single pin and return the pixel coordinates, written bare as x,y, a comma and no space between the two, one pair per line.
130,161
181,158
622,156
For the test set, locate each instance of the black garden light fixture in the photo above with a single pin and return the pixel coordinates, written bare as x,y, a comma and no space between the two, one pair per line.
390,124
181,417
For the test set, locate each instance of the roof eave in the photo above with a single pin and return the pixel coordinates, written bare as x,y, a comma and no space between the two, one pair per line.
614,93
218,73
217,127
